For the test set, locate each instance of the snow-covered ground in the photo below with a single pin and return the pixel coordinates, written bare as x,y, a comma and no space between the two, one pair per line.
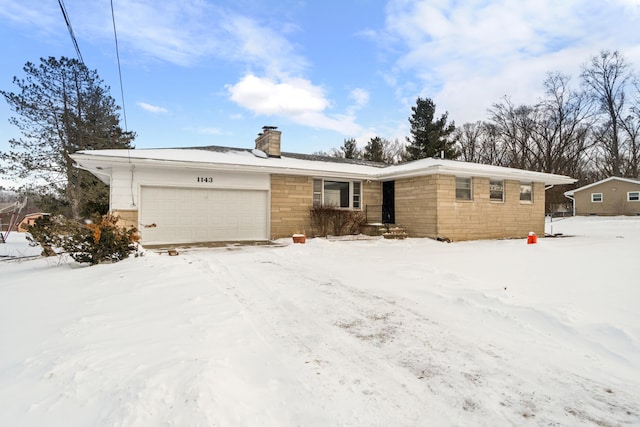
330,333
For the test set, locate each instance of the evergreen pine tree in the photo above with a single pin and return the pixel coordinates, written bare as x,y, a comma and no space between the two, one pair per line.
430,136
350,149
374,150
62,107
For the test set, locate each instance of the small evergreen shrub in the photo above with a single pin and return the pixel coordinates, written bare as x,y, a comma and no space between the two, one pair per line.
327,220
99,240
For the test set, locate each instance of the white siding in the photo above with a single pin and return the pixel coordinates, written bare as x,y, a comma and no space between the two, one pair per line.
125,185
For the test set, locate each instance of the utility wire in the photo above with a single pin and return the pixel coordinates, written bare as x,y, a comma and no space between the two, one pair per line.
124,110
115,35
68,22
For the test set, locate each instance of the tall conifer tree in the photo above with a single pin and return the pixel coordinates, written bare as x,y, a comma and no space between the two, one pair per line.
430,136
62,107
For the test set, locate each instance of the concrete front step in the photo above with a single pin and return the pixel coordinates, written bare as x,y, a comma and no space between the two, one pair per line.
390,232
395,233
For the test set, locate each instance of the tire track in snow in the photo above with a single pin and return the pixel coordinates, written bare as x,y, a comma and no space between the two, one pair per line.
347,381
361,339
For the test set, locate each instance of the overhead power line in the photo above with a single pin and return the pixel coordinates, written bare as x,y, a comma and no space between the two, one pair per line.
68,22
115,35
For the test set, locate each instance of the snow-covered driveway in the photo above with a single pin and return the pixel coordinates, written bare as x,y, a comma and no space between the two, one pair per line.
377,332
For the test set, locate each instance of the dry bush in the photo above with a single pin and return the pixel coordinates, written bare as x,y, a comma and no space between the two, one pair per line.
327,220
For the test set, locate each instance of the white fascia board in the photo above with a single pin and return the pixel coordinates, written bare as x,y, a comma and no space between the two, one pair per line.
103,164
101,172
497,173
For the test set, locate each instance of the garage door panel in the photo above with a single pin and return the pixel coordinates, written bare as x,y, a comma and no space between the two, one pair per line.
185,215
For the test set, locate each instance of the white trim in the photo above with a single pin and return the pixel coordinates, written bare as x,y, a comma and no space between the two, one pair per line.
597,201
629,196
244,161
602,181
351,191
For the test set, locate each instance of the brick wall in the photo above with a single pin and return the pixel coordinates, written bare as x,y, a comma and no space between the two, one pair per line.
427,207
372,196
415,205
291,201
481,218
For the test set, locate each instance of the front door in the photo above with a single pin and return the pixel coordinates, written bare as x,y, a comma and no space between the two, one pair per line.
388,202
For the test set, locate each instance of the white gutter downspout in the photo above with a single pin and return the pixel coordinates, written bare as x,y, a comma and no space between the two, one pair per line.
573,202
551,213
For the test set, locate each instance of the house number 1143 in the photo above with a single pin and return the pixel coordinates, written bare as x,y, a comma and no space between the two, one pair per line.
205,179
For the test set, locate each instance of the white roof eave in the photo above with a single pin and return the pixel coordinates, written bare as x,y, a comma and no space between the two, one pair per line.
88,161
497,173
100,163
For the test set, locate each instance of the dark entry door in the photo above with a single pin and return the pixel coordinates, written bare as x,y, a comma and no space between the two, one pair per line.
388,202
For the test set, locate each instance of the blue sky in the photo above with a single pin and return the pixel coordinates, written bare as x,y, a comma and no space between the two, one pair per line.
200,72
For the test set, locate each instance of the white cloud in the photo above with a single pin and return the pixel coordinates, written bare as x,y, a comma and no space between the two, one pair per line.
261,47
41,16
152,108
360,97
191,31
468,55
294,98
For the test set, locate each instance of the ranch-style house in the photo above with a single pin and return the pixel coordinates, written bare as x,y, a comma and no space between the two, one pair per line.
213,194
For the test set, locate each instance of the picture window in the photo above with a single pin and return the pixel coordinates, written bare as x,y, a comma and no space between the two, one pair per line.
339,194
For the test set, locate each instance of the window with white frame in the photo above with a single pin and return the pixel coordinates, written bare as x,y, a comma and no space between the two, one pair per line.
526,192
596,197
633,196
463,188
337,193
496,190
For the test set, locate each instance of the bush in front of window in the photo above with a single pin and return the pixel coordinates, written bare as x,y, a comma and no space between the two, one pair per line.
328,220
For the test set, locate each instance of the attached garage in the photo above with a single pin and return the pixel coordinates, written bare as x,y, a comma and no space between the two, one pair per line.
192,215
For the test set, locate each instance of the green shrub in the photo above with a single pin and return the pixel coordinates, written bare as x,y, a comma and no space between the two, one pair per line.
327,220
99,240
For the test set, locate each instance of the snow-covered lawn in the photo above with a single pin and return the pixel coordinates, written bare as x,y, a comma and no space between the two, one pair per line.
330,333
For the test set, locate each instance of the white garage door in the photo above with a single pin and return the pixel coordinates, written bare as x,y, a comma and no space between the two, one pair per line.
189,215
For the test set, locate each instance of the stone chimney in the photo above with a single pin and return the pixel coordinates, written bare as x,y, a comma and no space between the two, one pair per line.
269,141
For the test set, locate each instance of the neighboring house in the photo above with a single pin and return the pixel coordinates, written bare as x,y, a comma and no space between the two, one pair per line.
207,194
30,219
611,196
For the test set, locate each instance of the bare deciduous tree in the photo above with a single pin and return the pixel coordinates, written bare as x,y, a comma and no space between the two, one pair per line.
562,132
606,78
